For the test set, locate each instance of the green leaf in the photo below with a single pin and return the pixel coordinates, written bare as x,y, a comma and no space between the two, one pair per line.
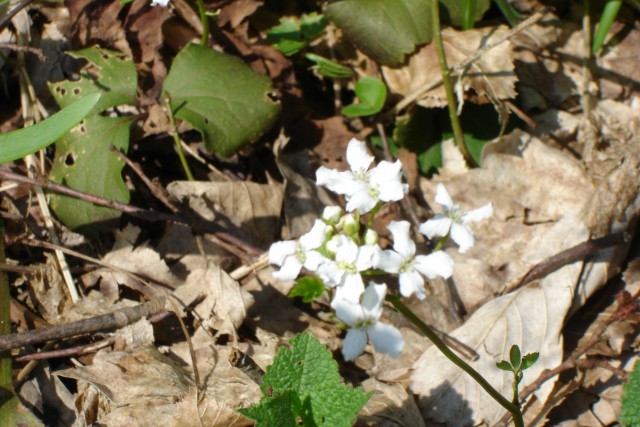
277,411
309,372
528,360
609,14
420,133
312,25
504,365
328,68
19,143
515,357
508,12
286,37
12,413
109,73
372,93
84,161
463,13
309,288
385,30
221,97
630,415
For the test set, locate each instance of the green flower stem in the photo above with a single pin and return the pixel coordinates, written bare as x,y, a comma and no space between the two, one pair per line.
205,23
429,333
373,213
6,385
458,136
176,137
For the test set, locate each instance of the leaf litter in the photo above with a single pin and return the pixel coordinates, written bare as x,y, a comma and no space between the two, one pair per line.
545,199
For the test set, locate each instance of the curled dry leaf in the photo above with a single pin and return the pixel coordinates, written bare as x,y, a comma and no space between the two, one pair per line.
491,75
570,204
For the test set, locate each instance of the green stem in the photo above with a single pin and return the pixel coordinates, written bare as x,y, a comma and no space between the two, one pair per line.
458,136
429,333
176,138
205,23
373,213
6,381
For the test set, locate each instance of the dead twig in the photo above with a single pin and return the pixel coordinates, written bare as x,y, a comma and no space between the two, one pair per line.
67,352
118,319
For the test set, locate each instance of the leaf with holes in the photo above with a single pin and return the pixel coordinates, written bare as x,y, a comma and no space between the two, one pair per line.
108,73
221,97
83,161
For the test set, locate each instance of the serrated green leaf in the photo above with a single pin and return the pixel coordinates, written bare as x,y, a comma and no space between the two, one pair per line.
504,365
454,11
515,357
312,25
308,369
221,97
281,410
19,143
328,68
630,416
108,73
529,359
83,161
385,30
309,288
286,37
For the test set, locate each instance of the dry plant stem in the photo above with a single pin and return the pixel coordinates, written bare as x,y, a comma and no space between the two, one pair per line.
446,351
174,128
19,48
155,188
462,65
579,251
448,86
7,19
68,352
197,224
192,352
118,319
6,386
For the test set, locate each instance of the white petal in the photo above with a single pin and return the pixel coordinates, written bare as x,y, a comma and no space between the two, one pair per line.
360,200
358,157
387,178
334,180
442,197
390,261
347,250
315,237
280,250
351,314
412,282
402,243
373,298
463,236
330,274
289,270
350,289
439,225
314,260
436,264
353,344
386,339
366,255
478,214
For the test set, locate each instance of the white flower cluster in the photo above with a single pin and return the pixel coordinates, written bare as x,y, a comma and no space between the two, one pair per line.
339,253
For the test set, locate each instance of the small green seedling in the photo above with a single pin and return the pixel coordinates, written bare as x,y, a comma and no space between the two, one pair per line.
291,36
517,364
327,67
372,93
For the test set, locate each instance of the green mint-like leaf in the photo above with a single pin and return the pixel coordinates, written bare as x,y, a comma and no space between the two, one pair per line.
109,73
312,25
630,415
515,356
290,37
504,365
309,288
306,376
221,97
529,359
19,143
372,93
328,68
281,410
85,162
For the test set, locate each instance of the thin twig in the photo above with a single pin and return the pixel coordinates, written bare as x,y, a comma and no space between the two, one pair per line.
7,19
67,352
118,319
19,48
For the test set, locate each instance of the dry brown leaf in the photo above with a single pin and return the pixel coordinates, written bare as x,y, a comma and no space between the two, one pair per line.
252,207
390,406
568,209
491,75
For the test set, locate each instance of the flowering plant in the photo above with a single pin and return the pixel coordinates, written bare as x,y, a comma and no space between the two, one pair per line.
340,252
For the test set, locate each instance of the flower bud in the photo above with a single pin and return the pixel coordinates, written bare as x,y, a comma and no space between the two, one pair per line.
331,214
349,225
370,237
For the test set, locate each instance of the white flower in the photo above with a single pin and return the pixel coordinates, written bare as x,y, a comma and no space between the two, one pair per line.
162,3
364,188
292,255
344,272
454,222
363,322
402,261
331,214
